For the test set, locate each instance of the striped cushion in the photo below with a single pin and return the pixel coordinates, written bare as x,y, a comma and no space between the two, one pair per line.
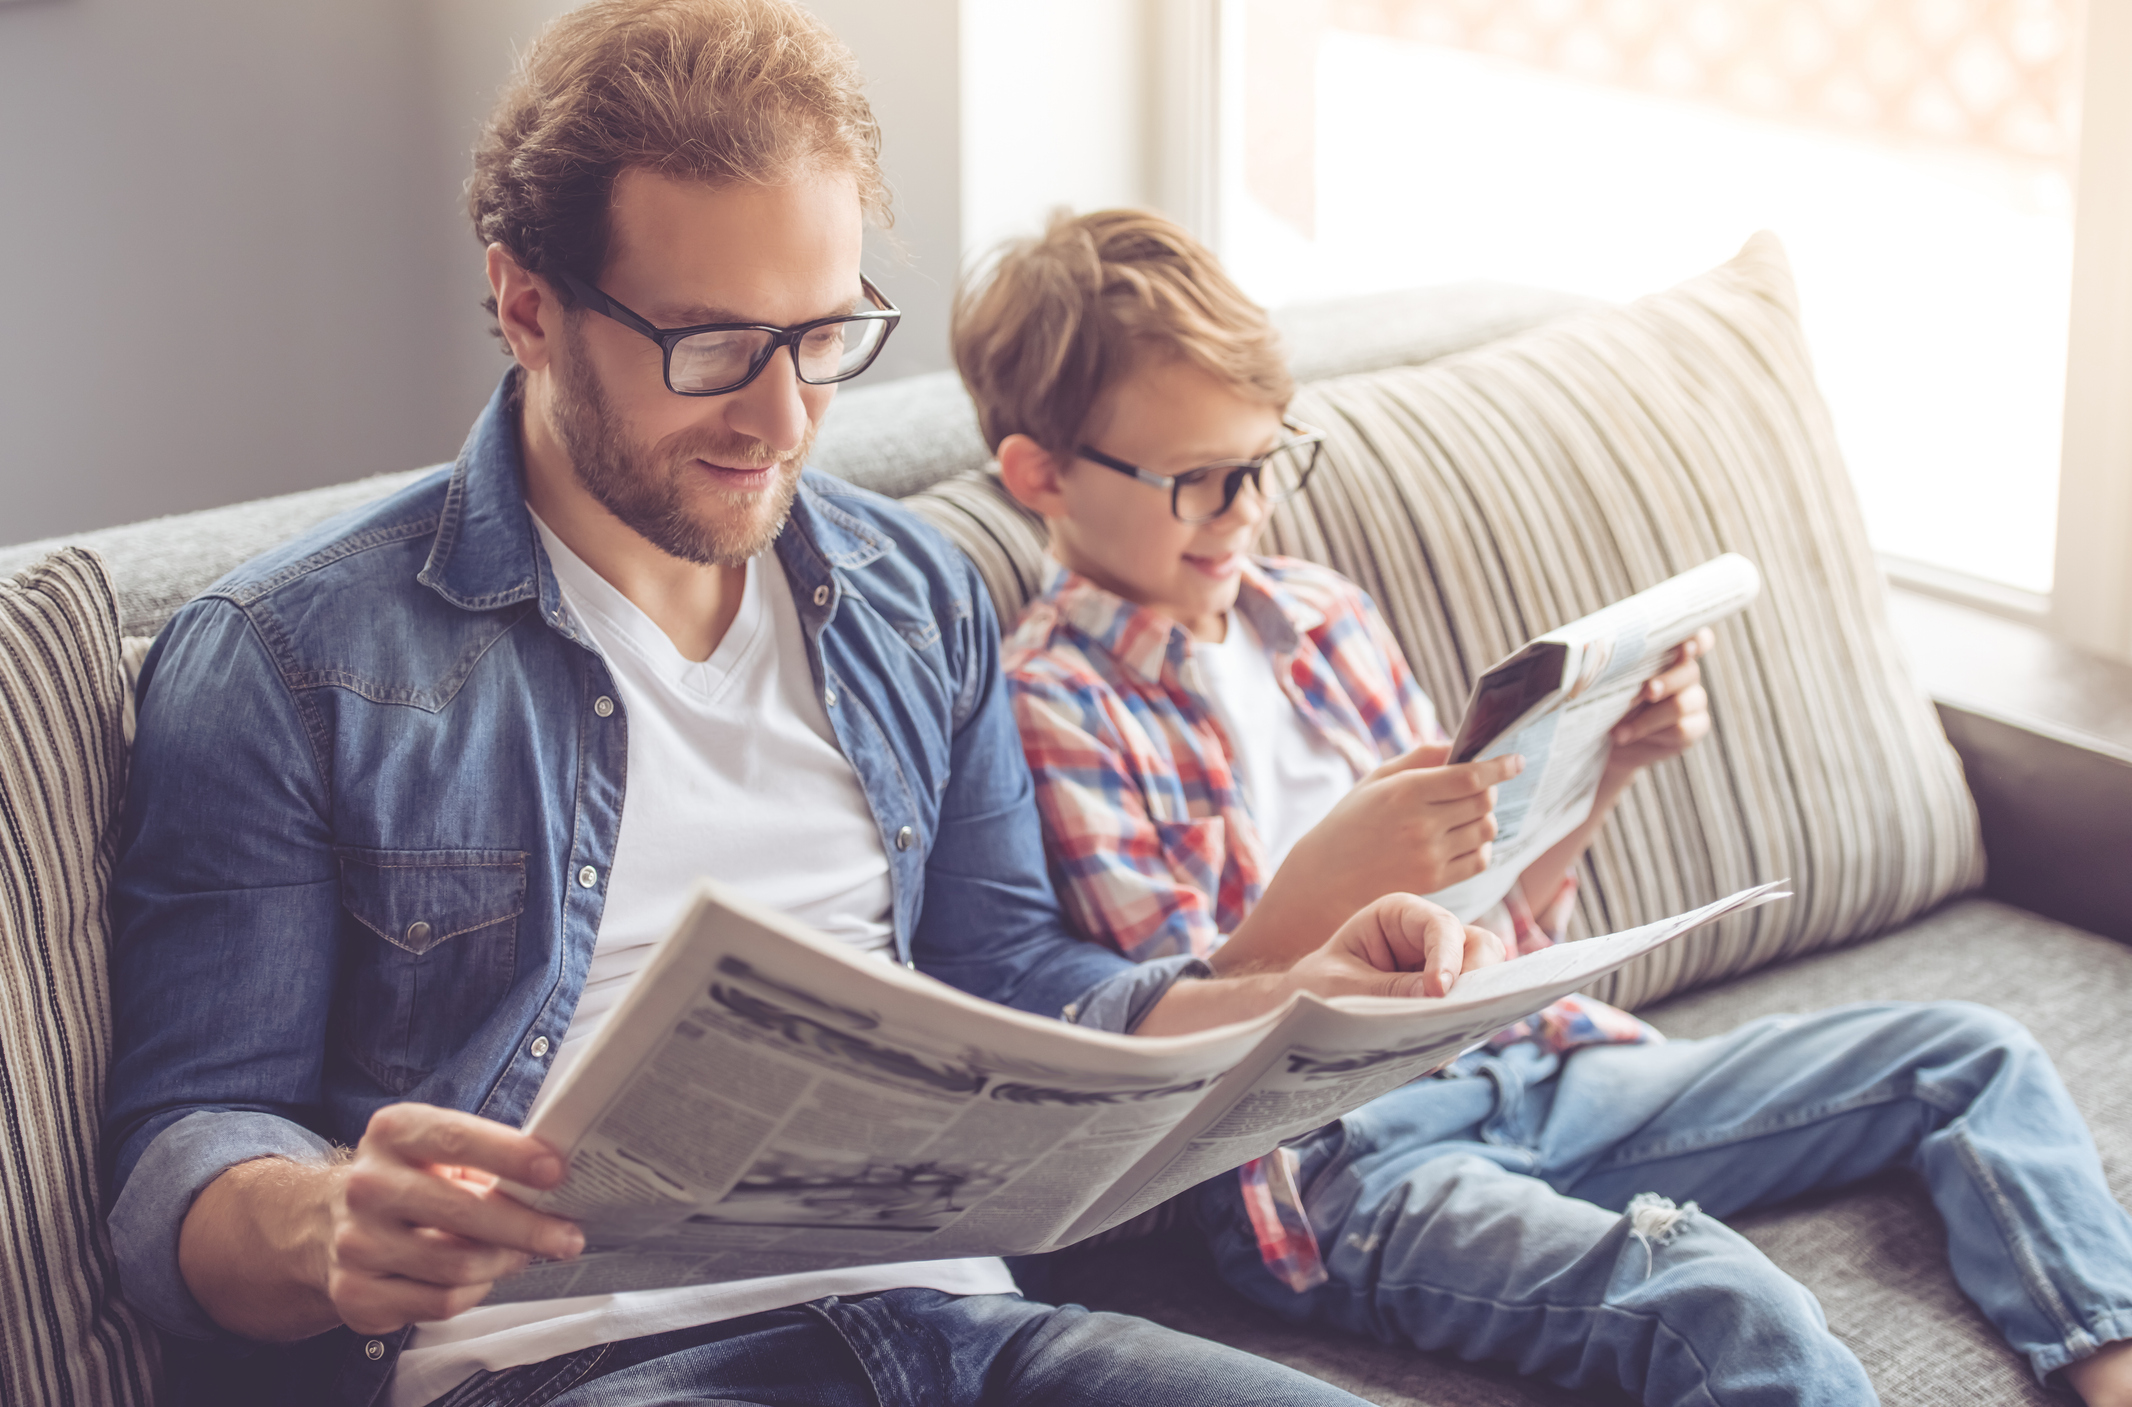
64,1335
1489,496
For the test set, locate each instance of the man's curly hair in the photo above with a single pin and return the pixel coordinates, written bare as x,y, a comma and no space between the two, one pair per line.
719,91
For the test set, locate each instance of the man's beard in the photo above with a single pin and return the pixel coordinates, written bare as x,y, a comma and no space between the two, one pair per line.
648,487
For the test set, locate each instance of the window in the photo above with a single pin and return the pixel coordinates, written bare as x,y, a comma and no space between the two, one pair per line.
1919,158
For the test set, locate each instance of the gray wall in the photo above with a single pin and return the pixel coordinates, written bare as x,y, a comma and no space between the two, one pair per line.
236,254
229,242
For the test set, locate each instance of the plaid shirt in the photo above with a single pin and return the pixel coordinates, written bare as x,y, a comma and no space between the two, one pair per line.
1145,819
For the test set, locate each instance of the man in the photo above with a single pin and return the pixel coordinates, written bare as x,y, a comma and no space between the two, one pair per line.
413,795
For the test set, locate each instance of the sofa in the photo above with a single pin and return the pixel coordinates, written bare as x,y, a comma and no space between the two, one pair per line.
1499,460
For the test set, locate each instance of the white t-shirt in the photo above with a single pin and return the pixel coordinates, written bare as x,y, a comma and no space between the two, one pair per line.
733,772
1291,776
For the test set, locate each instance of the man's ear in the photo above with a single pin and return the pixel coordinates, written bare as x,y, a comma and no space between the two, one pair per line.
1031,474
526,309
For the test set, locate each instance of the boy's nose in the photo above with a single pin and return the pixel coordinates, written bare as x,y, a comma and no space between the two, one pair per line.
1249,506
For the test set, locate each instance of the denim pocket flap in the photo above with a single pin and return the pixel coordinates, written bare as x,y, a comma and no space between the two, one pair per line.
415,899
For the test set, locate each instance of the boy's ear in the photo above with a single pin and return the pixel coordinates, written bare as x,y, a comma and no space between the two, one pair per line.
1031,474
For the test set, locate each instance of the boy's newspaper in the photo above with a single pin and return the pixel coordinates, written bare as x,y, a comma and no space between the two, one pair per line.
767,1100
1556,700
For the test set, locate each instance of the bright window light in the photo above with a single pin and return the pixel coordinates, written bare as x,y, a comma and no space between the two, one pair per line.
1915,158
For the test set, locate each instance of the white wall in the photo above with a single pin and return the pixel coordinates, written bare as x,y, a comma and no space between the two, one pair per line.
910,52
1058,101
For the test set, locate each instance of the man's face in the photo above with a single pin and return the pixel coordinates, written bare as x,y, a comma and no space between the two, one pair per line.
1166,417
708,479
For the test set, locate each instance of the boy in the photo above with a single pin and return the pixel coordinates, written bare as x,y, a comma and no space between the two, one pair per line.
1231,756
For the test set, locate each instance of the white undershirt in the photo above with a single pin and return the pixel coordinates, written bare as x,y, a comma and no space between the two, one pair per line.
1290,774
733,772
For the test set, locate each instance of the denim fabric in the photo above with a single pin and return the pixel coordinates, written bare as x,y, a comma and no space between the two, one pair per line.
373,803
1560,1214
907,1348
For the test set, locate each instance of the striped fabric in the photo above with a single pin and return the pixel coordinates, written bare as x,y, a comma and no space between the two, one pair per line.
65,1338
1486,497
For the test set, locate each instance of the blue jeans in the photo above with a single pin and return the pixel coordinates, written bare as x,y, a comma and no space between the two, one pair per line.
907,1348
1541,1211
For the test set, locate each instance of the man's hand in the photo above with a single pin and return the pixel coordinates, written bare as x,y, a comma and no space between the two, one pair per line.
1671,713
1413,826
1398,946
409,1229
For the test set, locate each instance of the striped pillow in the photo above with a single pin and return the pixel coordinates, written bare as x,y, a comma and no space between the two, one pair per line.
65,1337
1489,496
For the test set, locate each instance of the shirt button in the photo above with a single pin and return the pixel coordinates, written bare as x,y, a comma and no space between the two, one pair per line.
603,706
587,877
539,1047
418,932
829,696
374,1350
904,838
821,596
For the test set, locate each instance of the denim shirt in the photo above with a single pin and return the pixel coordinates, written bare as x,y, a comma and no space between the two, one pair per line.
375,794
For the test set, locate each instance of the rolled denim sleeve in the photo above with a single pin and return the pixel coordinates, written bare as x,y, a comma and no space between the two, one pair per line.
176,1168
224,906
1122,1001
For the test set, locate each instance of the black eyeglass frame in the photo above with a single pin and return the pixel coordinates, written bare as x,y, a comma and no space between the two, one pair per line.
1236,471
669,338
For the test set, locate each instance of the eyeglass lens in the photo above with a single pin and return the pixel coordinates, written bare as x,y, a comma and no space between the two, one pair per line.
713,361
1206,493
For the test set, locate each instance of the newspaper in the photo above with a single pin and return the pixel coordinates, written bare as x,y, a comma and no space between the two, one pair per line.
1555,701
767,1100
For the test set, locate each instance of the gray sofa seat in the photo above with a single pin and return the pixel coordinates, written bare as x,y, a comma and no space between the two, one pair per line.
1874,1254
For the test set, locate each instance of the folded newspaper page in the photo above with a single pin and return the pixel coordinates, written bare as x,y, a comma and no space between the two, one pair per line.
766,1100
1555,701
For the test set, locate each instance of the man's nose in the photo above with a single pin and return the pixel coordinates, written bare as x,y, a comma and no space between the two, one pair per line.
770,408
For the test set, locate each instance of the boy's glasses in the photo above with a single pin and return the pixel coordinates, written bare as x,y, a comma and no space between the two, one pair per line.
1201,495
717,358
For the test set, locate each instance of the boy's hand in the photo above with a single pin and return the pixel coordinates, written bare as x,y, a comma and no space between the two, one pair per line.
1671,714
1413,826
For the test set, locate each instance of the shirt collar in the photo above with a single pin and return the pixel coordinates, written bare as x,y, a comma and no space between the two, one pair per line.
485,553
1142,640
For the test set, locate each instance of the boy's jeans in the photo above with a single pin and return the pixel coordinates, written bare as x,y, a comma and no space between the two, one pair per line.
1499,1211
907,1348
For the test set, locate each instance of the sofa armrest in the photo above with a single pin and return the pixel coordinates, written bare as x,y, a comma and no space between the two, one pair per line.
2056,809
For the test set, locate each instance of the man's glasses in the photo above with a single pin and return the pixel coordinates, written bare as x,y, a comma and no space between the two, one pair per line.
1201,495
716,358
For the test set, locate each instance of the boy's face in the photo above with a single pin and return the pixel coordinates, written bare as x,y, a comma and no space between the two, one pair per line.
1166,417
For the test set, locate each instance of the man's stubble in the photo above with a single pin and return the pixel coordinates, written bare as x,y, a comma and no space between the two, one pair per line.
647,487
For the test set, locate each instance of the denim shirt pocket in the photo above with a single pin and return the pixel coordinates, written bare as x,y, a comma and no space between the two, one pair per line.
434,946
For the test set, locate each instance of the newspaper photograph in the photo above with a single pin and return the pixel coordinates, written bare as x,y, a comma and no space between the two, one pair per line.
766,1100
1555,701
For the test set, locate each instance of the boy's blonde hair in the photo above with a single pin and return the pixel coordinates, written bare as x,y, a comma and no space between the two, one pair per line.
1055,321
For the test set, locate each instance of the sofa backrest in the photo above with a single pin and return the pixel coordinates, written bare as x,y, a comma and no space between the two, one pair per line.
895,438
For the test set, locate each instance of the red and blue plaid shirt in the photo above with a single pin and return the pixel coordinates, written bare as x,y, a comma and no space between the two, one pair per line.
1145,819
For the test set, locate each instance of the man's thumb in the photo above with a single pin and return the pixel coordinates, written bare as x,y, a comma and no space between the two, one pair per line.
1403,985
